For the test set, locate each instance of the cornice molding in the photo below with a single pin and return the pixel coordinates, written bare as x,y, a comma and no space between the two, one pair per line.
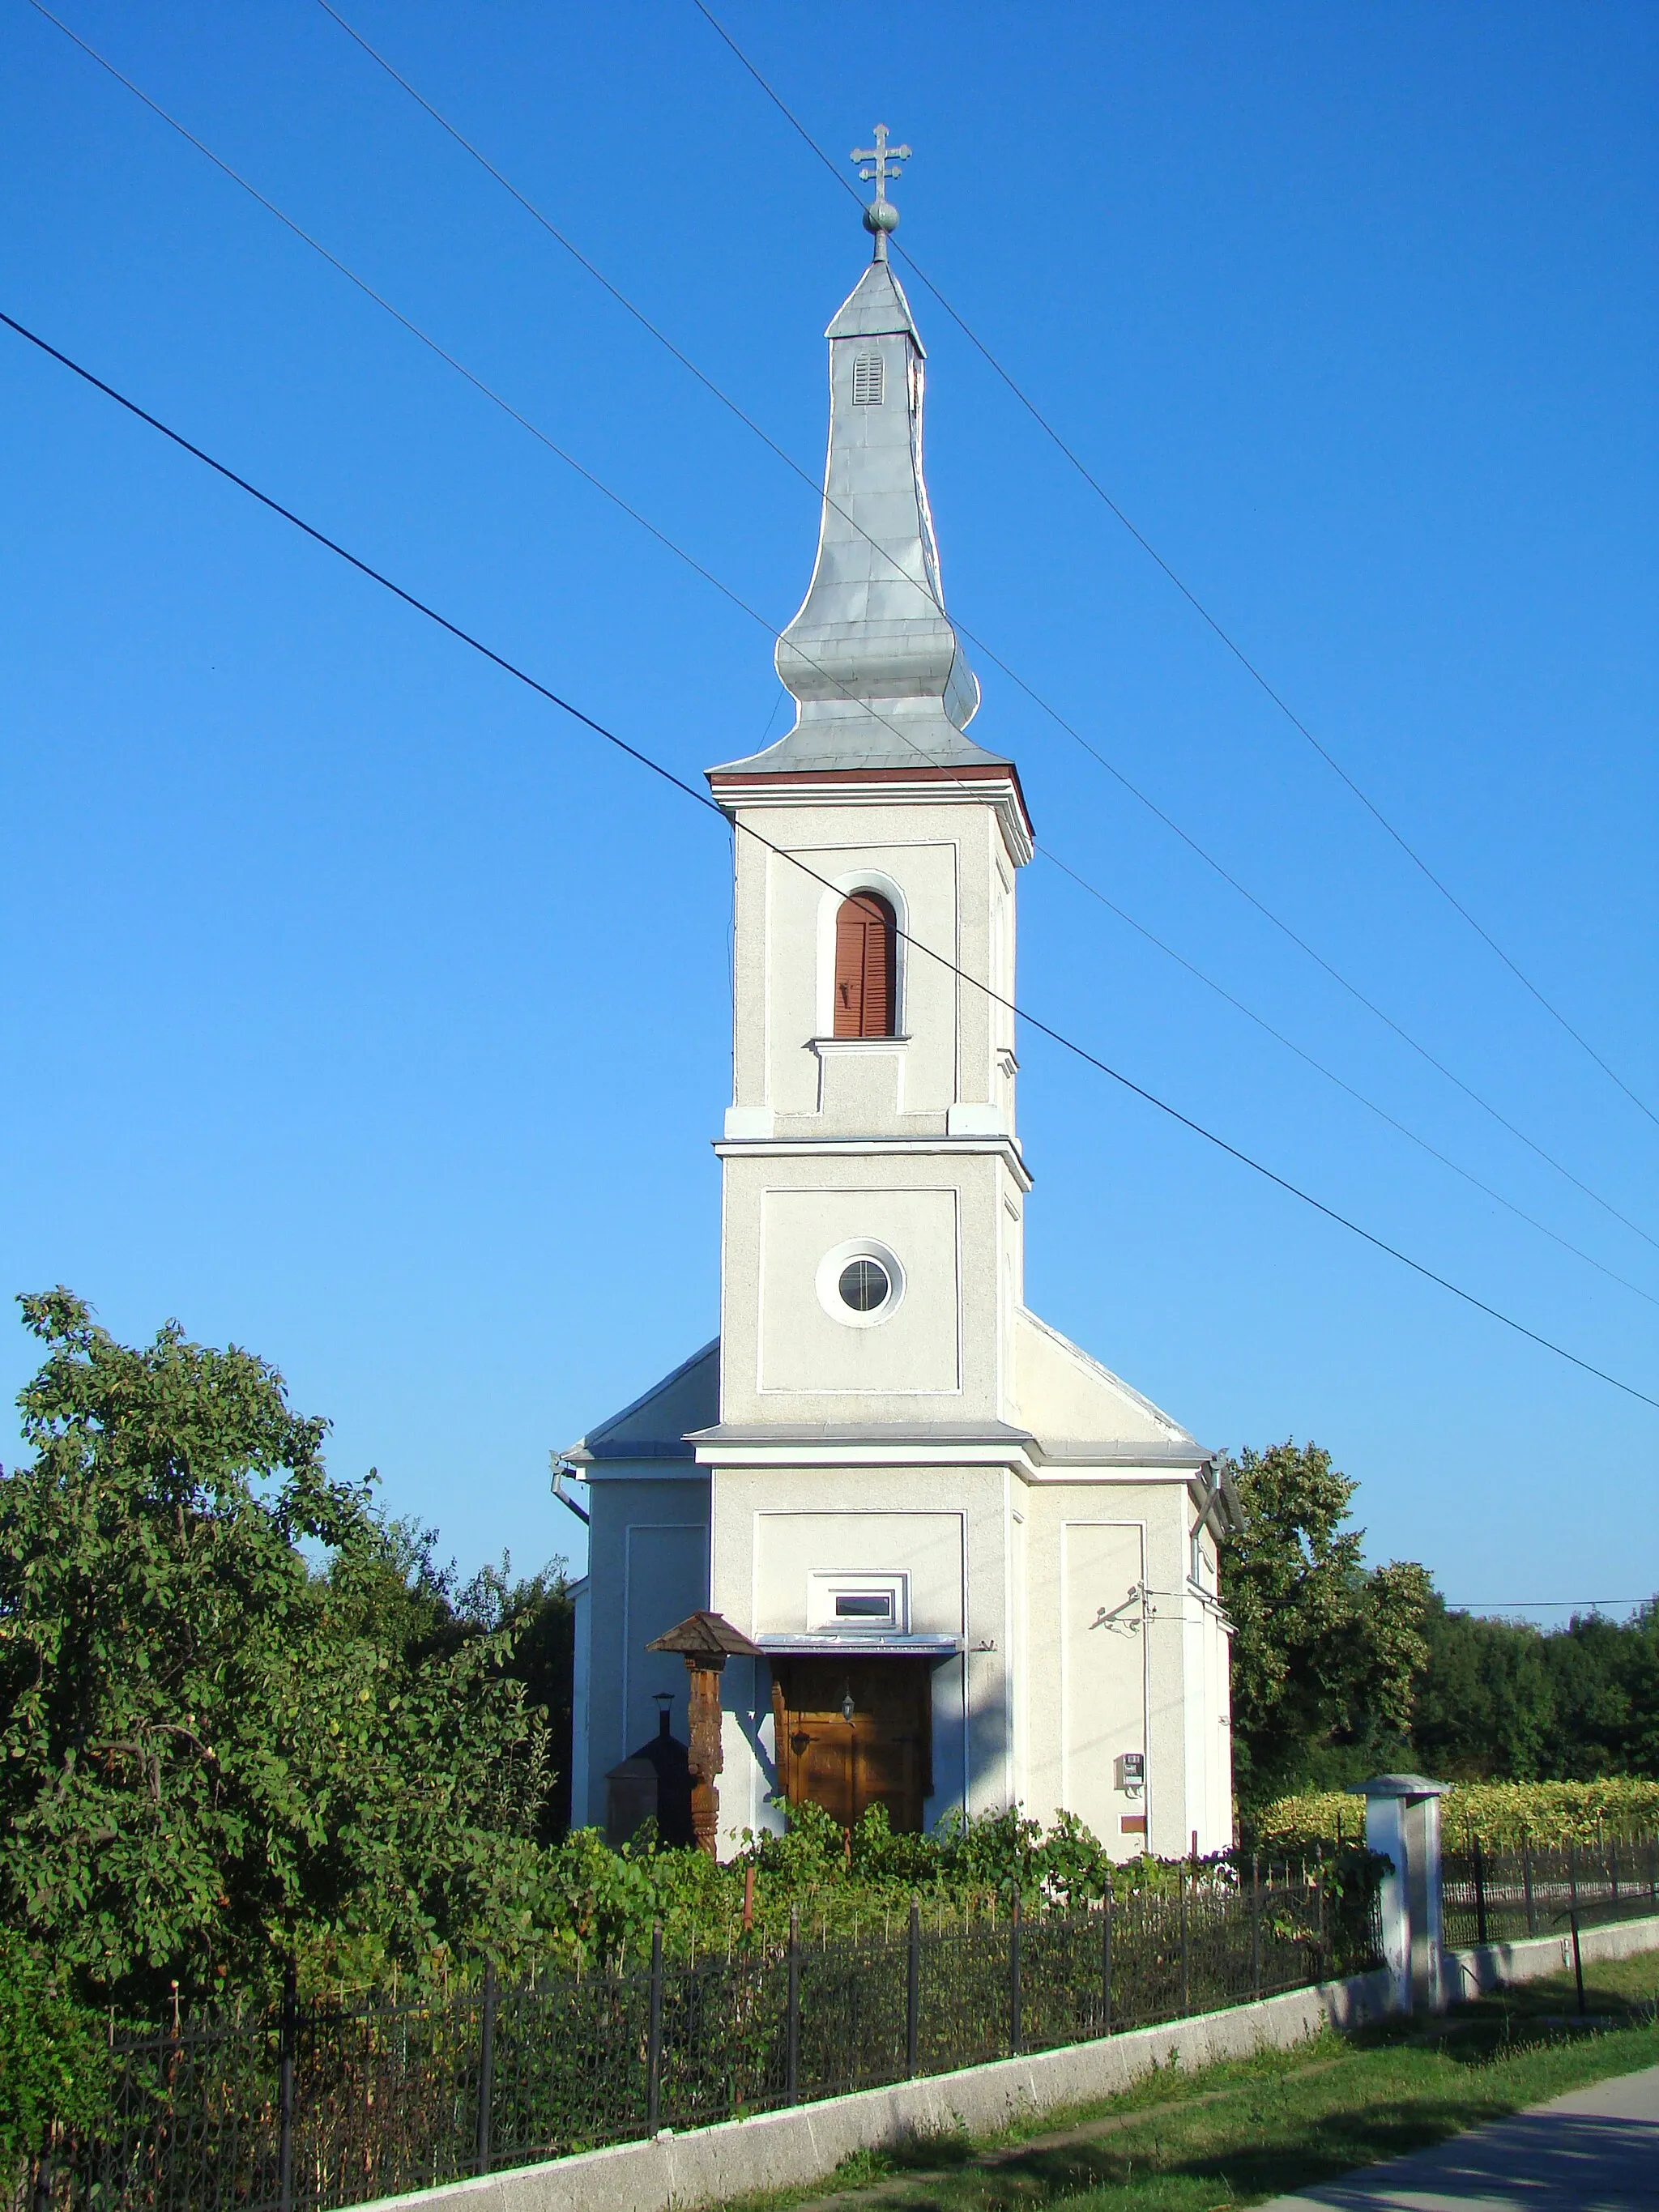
866,1148
992,783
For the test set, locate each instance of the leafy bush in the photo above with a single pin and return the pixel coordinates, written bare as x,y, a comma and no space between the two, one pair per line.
53,2061
1495,1813
589,1902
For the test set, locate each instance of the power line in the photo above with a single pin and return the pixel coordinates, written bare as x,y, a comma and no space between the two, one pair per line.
702,801
1536,1604
1192,599
1302,945
487,391
681,554
995,658
673,547
1331,1076
414,329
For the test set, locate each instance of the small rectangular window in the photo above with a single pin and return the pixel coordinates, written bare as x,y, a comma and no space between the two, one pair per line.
864,1605
858,1601
867,380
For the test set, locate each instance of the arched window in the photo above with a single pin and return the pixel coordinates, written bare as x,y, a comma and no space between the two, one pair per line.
867,948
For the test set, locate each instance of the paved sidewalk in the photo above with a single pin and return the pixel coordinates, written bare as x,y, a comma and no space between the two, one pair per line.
1596,2150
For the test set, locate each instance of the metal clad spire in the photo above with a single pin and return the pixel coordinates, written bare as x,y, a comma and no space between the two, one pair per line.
874,664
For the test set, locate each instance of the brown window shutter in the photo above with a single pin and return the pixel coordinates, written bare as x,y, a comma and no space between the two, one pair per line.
866,947
877,977
849,970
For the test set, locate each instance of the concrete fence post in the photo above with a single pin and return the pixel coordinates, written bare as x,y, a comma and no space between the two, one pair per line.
1402,1825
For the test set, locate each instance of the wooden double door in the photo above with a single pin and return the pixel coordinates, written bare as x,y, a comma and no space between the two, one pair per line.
882,1756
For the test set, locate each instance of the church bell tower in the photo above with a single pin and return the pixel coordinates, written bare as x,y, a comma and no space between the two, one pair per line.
874,1189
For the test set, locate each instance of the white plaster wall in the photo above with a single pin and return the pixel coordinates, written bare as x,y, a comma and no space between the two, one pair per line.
806,1346
908,1143
944,1526
648,1562
942,1354
943,864
1169,1820
1017,1676
1103,1640
580,1677
1214,1722
1208,1717
1105,1674
1071,1400
792,1543
1050,1693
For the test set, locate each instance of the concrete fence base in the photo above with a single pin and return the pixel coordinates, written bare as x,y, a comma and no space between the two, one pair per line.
790,2149
1485,1966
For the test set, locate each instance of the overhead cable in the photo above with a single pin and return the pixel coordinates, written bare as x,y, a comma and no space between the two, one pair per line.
1191,597
1536,1604
995,659
1331,1076
708,806
707,575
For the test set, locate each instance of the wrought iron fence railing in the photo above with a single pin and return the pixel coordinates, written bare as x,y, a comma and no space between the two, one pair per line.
1496,1896
331,2104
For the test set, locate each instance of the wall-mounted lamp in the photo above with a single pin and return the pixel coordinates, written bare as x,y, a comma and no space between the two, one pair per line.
847,1708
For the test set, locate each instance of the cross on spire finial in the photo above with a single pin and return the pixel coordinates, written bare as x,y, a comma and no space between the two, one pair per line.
881,216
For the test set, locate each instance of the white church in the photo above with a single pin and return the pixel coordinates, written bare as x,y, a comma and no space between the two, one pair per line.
979,1570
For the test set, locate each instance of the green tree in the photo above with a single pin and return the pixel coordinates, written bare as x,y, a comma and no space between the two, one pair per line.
1503,1701
1604,1682
1484,1705
538,1616
213,1750
1324,1652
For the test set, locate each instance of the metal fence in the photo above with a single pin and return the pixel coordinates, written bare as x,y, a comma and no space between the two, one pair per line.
327,2104
1529,1889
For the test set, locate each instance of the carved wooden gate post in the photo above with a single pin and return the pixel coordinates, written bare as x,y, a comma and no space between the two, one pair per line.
705,1641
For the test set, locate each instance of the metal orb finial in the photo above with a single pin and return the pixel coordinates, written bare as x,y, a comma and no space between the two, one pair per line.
879,163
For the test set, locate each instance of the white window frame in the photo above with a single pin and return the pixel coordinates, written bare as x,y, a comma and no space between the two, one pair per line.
1199,1572
835,1262
825,1587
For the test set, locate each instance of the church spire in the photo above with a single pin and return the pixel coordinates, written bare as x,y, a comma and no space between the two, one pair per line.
872,659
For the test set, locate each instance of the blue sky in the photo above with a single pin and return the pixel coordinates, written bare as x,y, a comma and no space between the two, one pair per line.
362,1011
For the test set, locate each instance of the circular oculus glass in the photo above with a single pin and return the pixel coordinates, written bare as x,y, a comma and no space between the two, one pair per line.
860,1284
864,1285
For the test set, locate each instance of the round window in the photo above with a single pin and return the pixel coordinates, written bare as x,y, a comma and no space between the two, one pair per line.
865,1284
860,1284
